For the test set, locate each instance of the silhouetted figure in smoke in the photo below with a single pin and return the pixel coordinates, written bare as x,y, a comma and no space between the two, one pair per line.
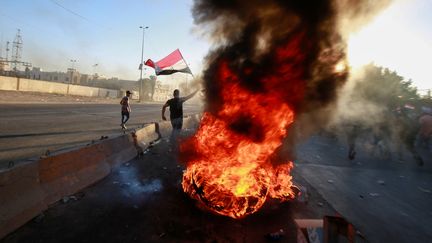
381,135
407,133
352,133
425,133
176,112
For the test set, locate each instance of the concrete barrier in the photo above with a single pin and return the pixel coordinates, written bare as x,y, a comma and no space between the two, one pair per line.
27,190
143,137
69,172
42,86
8,83
164,128
119,150
83,91
108,93
21,196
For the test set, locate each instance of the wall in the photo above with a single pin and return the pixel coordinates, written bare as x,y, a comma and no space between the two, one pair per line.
8,83
83,91
21,84
42,86
108,93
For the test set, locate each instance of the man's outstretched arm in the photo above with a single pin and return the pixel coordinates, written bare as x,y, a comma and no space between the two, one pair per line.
163,111
190,96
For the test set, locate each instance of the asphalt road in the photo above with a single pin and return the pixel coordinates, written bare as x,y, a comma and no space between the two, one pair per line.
29,130
387,199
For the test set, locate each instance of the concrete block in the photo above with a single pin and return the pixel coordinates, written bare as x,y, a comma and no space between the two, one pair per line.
164,129
26,190
108,93
12,83
83,91
21,197
67,173
42,86
8,83
119,150
146,135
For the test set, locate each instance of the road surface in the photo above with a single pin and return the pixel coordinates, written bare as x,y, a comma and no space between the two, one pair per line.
29,130
389,200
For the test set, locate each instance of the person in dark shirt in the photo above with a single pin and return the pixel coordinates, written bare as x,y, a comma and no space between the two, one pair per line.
125,109
176,111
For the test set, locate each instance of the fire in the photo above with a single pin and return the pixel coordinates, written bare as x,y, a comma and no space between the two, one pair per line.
231,172
273,60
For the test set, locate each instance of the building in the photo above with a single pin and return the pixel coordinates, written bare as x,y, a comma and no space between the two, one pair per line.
70,77
162,92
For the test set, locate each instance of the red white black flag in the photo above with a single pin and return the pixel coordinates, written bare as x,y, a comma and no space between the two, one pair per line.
170,64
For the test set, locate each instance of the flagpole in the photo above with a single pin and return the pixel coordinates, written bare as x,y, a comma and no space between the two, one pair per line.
141,65
186,63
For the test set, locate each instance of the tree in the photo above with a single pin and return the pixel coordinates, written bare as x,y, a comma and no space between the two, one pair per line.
384,88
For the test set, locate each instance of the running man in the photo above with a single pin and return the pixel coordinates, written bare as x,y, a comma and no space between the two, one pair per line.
125,109
176,111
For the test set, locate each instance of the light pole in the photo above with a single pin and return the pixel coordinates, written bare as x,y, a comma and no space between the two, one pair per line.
73,61
94,69
141,64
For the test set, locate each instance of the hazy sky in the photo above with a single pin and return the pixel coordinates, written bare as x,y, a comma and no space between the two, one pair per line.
107,32
400,38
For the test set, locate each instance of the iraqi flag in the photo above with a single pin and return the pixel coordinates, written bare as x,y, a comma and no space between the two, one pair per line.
170,64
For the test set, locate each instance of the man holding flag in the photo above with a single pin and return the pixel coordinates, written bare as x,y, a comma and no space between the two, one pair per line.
173,63
176,112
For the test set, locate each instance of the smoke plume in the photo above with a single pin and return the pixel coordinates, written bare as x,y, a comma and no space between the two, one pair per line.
277,67
295,50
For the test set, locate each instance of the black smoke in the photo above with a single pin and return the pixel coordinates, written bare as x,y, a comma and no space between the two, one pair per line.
249,37
249,33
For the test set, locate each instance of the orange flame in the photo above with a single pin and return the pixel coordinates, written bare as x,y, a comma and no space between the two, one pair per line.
232,174
229,169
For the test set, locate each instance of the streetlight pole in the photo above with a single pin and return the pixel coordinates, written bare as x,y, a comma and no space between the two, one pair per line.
72,70
73,63
141,64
